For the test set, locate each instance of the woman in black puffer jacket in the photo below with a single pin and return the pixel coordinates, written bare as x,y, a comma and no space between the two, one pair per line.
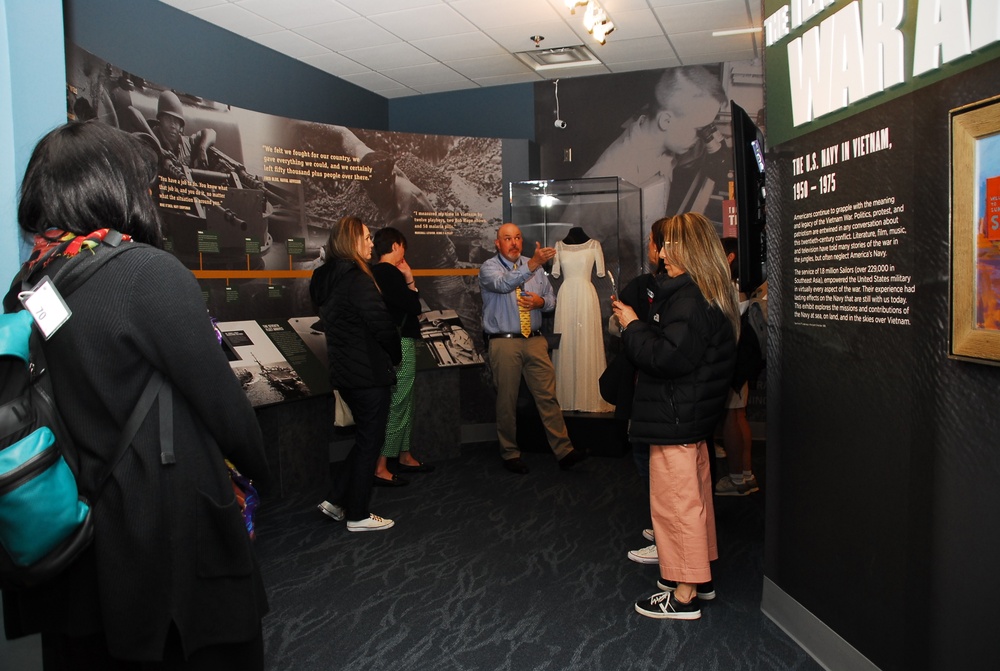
362,346
685,352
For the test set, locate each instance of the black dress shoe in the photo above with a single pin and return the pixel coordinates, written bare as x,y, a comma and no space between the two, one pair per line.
395,481
515,465
574,457
419,468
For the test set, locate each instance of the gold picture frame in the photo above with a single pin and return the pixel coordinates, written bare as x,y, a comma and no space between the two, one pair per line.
975,241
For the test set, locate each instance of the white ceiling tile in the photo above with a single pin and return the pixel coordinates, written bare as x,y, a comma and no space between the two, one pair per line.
518,37
430,21
493,13
633,25
702,42
188,5
335,64
236,20
453,47
290,44
615,6
371,7
674,3
342,36
386,56
509,79
418,75
451,86
705,15
646,48
492,66
372,81
297,13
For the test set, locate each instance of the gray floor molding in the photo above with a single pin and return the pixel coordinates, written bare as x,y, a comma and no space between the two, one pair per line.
824,644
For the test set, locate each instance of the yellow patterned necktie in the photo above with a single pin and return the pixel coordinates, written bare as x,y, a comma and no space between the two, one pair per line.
523,313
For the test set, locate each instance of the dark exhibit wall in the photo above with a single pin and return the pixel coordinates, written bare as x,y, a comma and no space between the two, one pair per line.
843,292
957,439
881,448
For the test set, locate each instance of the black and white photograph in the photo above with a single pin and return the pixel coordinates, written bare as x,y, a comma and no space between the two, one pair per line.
267,377
448,342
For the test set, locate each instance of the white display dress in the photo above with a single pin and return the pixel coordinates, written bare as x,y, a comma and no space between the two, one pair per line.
579,360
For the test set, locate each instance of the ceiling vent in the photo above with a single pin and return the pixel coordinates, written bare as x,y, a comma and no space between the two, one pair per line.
558,57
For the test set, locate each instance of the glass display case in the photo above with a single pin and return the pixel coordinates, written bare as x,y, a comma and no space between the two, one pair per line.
608,209
595,224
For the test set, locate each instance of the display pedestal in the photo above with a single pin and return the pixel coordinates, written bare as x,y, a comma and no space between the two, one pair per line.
297,436
596,433
436,418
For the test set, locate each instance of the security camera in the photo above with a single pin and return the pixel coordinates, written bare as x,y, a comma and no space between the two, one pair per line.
560,123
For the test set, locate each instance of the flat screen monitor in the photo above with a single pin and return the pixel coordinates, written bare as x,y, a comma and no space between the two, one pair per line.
748,174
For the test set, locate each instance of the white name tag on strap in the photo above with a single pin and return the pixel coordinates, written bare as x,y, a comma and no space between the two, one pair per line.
46,307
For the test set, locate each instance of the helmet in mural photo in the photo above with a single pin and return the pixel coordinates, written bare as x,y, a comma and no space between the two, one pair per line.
170,104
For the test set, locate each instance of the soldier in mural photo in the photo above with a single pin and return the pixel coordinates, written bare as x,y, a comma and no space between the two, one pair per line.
177,150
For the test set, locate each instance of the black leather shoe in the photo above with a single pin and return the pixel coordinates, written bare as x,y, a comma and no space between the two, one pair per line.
419,468
515,465
574,457
396,481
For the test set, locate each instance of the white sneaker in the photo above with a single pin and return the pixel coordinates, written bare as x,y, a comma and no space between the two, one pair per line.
646,555
720,451
373,523
332,510
648,535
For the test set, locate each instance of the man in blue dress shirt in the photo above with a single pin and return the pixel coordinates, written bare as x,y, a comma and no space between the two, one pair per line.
511,284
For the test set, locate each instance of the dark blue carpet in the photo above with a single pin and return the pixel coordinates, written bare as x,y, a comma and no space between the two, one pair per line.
490,570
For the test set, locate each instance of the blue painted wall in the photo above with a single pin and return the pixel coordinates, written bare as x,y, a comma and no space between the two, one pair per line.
171,47
32,102
497,111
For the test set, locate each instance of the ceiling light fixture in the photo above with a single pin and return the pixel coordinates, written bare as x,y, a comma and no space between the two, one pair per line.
595,19
602,30
557,58
737,31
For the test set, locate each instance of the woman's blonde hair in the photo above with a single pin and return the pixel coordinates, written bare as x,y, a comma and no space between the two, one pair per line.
692,243
343,243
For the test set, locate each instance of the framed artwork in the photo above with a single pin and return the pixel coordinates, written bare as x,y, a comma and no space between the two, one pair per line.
975,231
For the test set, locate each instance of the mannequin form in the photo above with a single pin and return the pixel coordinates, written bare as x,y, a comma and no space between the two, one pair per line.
576,236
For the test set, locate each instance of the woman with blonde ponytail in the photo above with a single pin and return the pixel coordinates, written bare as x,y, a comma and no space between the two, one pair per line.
362,346
684,352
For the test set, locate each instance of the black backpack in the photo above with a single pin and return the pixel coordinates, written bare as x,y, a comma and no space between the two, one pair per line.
45,522
751,348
